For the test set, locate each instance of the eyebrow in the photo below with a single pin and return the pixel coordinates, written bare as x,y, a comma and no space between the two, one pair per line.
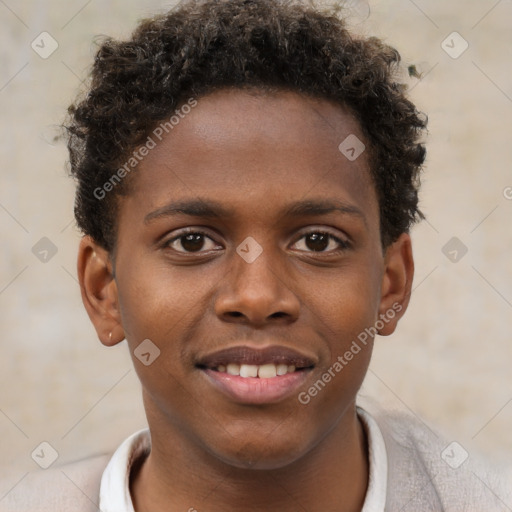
212,209
193,208
322,207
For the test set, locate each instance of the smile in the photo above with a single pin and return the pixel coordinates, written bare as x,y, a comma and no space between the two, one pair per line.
257,376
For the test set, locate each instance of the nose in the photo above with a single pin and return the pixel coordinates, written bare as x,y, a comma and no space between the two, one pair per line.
257,293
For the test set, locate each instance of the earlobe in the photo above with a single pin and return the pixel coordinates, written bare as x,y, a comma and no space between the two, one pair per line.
99,291
396,283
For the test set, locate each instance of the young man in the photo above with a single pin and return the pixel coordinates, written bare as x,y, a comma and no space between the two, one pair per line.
247,176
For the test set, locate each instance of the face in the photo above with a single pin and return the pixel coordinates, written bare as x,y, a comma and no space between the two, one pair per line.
249,254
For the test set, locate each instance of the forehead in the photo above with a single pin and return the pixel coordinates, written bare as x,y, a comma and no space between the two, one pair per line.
254,149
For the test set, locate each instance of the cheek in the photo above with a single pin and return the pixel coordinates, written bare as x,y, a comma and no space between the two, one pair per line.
155,309
156,300
165,306
342,313
344,304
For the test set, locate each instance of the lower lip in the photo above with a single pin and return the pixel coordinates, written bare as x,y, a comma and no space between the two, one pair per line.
253,390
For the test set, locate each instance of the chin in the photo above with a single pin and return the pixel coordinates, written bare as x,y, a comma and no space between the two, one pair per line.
262,455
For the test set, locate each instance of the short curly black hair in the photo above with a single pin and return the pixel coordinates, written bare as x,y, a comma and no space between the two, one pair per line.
205,45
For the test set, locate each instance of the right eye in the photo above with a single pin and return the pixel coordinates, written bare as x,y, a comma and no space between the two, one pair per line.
191,242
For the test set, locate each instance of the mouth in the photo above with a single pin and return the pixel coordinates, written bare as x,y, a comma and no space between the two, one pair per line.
256,376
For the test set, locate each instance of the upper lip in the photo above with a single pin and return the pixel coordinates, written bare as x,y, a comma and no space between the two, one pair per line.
245,354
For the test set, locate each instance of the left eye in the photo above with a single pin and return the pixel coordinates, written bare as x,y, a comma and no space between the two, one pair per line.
319,241
191,242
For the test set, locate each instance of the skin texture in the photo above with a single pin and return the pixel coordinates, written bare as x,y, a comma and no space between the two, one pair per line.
255,154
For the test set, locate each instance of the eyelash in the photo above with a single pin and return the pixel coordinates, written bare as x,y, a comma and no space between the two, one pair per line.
343,244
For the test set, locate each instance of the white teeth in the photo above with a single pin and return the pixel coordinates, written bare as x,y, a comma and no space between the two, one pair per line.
233,369
264,371
282,369
267,371
248,370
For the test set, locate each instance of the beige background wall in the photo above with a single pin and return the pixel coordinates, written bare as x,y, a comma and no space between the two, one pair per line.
450,360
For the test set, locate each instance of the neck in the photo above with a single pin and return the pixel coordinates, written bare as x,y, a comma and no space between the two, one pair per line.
334,474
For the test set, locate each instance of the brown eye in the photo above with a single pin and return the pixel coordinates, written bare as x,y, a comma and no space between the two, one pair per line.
191,242
319,241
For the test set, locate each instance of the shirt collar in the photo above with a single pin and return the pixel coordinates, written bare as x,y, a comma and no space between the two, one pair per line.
375,500
115,482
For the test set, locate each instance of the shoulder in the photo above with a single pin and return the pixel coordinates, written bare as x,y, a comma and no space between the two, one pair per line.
72,486
428,472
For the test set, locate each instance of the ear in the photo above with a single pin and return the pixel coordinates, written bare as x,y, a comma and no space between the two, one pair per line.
99,291
396,283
